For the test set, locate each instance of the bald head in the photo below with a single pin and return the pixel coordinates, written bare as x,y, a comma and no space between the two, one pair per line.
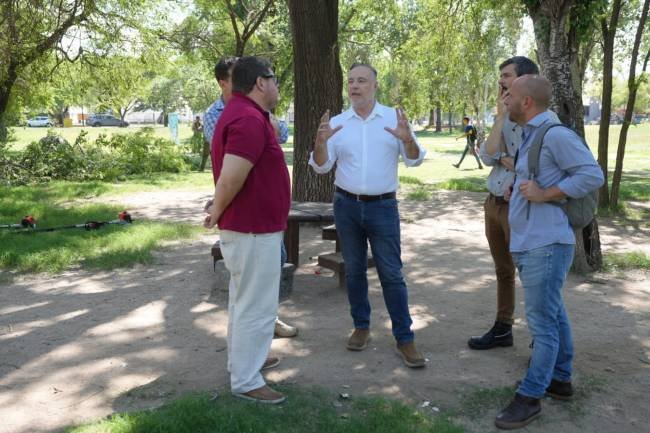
538,88
528,96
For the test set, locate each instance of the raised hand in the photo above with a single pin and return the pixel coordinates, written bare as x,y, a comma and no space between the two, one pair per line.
403,130
325,131
501,106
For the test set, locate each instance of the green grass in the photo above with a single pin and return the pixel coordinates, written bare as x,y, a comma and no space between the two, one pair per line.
419,194
624,261
109,247
306,410
22,136
436,170
443,150
475,404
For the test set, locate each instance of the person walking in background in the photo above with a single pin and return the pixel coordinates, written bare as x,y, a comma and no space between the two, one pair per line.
470,134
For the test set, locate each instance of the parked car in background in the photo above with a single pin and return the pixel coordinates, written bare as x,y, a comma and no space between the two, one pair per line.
40,121
105,120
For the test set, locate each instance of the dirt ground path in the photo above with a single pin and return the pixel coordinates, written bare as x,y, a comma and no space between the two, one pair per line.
82,345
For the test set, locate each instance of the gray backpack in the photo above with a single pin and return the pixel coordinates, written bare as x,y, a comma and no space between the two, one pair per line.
580,211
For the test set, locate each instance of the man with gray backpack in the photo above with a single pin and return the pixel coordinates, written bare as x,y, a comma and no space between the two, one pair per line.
542,240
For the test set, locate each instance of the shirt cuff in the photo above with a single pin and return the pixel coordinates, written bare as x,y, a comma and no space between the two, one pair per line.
320,169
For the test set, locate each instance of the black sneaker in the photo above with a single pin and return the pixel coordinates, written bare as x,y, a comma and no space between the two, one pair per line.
560,390
519,413
499,336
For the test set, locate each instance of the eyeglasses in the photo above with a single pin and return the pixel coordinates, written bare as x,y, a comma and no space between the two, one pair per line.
275,79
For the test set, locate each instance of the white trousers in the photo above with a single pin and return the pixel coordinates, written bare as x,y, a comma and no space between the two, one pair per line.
253,261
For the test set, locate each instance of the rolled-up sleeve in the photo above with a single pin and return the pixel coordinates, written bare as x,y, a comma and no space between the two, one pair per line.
421,153
576,159
322,169
489,160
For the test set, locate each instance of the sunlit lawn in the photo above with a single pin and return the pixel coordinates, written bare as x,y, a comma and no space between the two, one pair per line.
24,135
436,171
109,247
443,151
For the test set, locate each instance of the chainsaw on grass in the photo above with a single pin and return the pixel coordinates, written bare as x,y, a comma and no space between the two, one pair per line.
28,221
123,218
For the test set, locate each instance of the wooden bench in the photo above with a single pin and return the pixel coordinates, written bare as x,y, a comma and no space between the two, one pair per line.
216,253
286,277
334,261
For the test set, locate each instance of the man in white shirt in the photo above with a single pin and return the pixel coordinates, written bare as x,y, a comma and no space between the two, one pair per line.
365,142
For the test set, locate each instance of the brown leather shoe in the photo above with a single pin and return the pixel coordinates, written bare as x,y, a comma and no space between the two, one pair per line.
264,395
270,362
359,339
410,355
282,330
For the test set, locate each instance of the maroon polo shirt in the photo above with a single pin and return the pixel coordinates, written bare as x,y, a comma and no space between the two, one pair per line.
262,205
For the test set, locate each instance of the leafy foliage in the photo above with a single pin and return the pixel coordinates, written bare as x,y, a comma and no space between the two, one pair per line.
108,159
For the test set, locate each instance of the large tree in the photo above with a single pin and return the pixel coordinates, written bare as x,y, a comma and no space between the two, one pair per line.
633,86
29,31
609,26
318,87
564,31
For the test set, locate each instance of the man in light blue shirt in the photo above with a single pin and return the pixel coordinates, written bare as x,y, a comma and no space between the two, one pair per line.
542,244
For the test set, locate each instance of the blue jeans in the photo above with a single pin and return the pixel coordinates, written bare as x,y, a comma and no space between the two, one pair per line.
377,222
542,272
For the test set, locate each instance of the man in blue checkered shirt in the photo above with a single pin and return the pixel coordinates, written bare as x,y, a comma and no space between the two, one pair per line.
222,72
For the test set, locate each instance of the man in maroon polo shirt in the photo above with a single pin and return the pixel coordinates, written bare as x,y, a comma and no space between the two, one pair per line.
251,204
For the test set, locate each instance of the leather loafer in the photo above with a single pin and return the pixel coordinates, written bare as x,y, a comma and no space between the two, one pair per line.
264,394
410,355
359,339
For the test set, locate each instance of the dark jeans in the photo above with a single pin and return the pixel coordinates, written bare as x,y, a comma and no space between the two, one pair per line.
377,222
497,231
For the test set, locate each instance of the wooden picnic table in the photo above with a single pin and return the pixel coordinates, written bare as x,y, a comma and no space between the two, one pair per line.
302,212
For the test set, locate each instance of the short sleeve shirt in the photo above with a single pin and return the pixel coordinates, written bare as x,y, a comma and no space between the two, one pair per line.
262,205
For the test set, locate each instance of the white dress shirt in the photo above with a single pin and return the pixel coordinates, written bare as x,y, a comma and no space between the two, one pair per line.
366,155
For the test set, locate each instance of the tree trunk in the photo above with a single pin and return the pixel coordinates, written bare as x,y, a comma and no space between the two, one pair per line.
451,127
438,118
633,86
318,82
609,31
432,118
557,50
558,44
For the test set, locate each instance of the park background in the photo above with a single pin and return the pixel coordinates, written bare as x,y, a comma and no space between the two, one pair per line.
436,58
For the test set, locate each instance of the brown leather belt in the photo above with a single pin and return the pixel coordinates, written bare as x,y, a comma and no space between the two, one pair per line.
498,199
363,197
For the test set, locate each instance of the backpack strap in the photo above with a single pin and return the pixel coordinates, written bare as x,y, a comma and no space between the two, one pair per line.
536,149
533,154
533,158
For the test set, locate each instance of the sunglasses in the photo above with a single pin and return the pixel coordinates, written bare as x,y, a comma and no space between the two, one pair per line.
271,76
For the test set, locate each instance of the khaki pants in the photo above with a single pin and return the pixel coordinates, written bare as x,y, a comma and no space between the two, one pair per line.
497,231
253,262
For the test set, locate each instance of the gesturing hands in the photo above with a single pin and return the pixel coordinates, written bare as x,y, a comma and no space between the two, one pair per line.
325,131
402,131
